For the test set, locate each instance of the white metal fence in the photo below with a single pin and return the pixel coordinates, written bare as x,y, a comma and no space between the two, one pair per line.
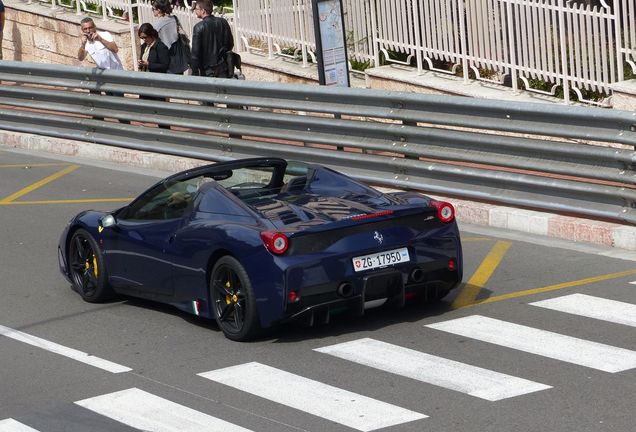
560,45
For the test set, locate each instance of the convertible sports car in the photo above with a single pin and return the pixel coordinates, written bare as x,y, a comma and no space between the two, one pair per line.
256,242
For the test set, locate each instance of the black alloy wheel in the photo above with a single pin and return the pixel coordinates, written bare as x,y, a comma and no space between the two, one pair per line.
87,268
233,300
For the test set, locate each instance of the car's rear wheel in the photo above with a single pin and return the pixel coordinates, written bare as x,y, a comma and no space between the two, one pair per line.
233,301
87,268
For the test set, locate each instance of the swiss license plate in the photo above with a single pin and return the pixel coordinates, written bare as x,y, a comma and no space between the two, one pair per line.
381,259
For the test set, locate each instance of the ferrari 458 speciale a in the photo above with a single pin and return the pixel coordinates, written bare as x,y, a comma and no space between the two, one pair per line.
256,242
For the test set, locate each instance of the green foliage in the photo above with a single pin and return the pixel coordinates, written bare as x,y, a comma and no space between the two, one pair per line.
360,65
538,84
222,3
394,55
291,51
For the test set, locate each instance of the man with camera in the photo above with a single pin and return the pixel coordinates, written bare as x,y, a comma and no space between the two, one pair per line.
100,45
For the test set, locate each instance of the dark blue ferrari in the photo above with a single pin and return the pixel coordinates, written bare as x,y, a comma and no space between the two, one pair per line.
256,242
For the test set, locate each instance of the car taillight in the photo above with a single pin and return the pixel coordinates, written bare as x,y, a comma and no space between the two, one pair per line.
275,242
445,211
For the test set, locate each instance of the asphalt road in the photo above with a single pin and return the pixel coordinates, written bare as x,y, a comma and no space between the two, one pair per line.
552,382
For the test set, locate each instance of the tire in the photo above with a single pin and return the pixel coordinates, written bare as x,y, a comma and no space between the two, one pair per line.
233,302
87,268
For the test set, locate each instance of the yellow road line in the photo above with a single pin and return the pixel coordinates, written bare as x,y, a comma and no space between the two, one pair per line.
69,201
28,165
39,184
472,238
555,287
482,274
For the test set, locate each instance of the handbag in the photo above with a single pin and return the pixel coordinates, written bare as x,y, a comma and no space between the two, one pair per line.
180,55
233,60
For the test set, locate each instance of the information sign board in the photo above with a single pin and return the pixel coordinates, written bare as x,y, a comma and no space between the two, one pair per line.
333,67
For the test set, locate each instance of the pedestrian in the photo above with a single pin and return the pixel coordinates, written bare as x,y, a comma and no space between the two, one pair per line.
100,45
1,25
154,57
166,24
154,53
102,48
211,40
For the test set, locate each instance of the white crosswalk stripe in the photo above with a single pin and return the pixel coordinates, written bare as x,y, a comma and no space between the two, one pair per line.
548,344
147,412
63,350
10,425
323,400
453,375
592,307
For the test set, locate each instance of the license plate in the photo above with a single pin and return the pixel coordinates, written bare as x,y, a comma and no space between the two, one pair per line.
380,259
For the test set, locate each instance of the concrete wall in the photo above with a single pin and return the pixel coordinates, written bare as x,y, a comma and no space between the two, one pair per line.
624,96
37,33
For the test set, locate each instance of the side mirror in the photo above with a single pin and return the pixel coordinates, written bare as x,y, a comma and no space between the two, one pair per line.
107,222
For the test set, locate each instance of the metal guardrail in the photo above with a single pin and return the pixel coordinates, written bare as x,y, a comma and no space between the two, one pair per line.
531,155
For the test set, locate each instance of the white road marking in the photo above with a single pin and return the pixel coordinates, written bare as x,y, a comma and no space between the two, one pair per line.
10,425
145,411
592,307
548,344
304,394
633,283
439,371
62,350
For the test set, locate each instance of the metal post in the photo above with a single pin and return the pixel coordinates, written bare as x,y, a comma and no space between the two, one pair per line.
237,37
104,14
268,28
301,22
418,32
133,39
374,34
619,40
462,35
512,48
564,58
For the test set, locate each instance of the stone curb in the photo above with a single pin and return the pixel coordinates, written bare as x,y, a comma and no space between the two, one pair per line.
528,221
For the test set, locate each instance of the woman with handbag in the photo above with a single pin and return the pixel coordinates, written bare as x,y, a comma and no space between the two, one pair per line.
167,26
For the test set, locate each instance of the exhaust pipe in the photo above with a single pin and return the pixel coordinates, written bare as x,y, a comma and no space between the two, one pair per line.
345,289
417,275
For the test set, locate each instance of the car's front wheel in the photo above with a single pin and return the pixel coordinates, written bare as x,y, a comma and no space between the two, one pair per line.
233,301
87,268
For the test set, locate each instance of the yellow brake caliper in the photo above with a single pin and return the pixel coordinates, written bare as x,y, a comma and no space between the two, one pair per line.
228,298
95,266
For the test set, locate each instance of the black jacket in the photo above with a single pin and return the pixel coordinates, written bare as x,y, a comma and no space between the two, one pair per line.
211,39
158,58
